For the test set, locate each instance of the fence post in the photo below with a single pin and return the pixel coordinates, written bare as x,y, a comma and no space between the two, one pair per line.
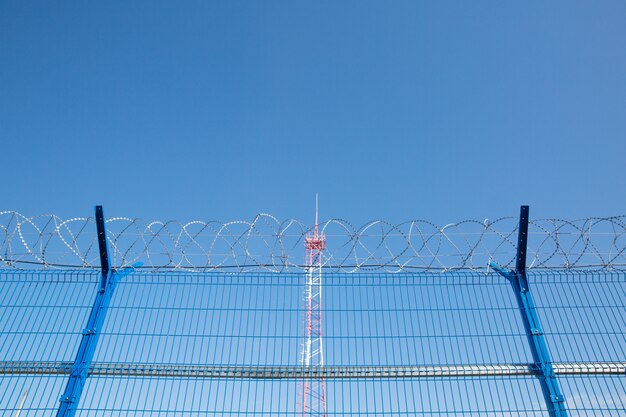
74,388
555,402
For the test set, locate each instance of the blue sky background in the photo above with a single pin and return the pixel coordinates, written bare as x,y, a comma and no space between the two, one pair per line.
395,110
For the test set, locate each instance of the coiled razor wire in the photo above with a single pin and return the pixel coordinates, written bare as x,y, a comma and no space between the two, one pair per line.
266,243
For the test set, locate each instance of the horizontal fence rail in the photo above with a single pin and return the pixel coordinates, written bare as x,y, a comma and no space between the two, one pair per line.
299,372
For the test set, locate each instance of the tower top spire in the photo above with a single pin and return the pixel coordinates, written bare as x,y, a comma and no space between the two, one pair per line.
316,241
316,210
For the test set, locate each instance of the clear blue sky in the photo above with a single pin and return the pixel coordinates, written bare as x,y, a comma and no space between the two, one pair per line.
395,110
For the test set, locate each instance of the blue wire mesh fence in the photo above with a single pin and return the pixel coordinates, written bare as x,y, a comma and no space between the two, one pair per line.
443,341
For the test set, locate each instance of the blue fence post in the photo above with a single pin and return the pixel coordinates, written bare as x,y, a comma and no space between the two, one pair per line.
555,402
73,390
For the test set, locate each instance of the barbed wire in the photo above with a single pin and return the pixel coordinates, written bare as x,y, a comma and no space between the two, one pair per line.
266,243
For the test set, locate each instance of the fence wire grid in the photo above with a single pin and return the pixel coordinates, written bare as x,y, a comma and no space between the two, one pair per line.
216,343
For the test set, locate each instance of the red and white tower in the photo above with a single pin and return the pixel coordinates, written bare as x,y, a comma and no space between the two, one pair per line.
313,390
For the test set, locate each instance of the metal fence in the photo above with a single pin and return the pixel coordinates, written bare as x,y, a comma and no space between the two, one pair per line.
451,342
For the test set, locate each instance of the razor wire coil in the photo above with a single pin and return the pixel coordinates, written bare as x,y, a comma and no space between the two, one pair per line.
267,243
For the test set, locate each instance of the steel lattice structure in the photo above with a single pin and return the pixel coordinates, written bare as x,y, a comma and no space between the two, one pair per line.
510,338
313,389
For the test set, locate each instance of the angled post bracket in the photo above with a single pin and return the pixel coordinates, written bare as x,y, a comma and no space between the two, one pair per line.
108,280
103,247
555,402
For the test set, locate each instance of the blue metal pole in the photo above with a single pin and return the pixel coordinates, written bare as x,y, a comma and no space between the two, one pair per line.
71,395
554,399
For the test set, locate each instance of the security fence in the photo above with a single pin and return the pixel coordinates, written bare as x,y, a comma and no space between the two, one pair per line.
495,340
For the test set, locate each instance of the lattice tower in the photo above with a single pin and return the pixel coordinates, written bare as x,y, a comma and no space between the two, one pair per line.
313,390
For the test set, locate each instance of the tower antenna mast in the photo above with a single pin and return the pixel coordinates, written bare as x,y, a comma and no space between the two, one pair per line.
313,390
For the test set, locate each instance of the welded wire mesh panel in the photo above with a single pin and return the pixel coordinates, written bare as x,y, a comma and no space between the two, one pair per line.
28,395
254,319
42,314
214,318
583,314
595,396
217,343
511,396
584,319
419,319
